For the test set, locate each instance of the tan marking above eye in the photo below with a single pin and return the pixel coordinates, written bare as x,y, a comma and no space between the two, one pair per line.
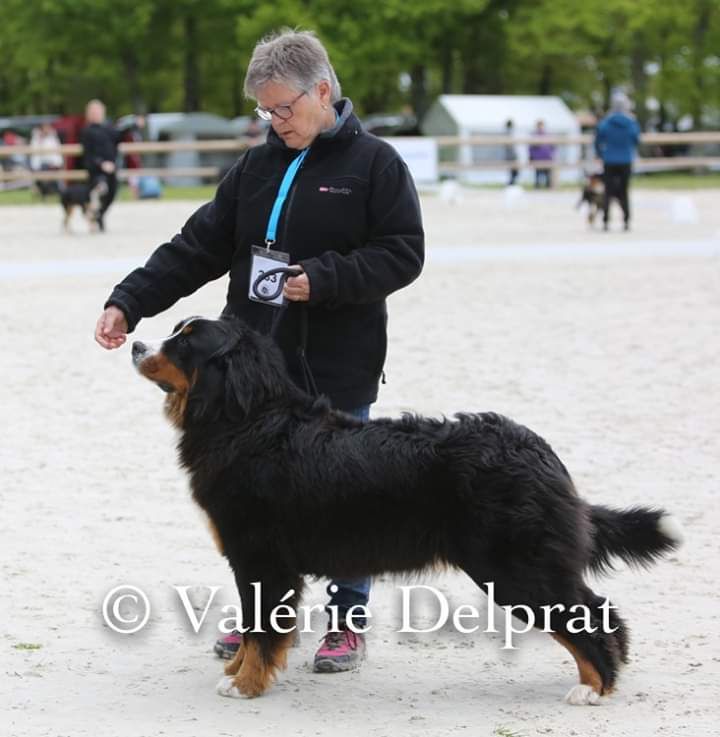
186,330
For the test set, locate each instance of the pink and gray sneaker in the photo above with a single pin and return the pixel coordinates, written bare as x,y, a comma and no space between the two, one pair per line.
340,651
227,646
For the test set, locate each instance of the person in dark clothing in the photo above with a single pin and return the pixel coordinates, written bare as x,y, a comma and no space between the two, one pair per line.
100,149
350,222
511,152
616,140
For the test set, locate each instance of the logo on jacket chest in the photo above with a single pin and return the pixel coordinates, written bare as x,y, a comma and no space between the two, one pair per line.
335,190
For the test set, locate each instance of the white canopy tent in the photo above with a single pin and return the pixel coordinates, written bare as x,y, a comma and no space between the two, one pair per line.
479,115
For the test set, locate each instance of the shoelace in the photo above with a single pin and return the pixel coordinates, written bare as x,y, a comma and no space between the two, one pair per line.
335,640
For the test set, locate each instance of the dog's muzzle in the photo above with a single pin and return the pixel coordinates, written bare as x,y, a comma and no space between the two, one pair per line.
139,352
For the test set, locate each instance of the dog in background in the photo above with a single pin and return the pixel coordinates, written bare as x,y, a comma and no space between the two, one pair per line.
87,198
293,488
593,193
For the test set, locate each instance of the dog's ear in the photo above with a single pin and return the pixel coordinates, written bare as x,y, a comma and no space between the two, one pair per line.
255,375
206,398
206,402
245,371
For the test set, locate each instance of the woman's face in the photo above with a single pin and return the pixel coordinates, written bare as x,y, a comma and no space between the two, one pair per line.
311,111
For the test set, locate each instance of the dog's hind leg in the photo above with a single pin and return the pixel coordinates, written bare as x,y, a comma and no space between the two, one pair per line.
597,638
567,608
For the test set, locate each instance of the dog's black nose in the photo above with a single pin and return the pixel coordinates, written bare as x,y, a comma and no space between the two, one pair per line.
138,348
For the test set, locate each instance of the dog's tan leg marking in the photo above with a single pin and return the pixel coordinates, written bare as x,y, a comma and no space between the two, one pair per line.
256,675
591,685
232,668
216,536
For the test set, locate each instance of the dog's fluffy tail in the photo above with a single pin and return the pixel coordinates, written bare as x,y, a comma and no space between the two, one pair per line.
639,536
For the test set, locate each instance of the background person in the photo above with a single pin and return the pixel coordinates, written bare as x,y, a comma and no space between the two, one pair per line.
511,152
134,160
616,140
100,151
47,158
542,152
351,221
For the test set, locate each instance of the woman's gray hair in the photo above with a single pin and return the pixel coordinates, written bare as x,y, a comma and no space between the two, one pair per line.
294,58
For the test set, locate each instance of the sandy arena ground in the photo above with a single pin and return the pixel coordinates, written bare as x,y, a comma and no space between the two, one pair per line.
606,344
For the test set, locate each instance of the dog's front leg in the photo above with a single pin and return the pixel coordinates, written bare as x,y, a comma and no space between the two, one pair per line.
265,655
263,651
233,666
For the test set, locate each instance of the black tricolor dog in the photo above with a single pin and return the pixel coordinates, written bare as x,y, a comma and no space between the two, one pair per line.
593,193
293,488
87,198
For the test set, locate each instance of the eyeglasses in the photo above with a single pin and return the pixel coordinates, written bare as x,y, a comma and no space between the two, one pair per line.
284,112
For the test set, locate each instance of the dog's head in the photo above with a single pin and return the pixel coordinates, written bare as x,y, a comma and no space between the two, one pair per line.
212,369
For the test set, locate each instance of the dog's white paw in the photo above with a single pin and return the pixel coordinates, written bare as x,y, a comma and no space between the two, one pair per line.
582,695
225,687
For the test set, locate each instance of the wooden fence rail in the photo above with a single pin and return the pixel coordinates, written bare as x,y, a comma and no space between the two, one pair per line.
22,174
240,144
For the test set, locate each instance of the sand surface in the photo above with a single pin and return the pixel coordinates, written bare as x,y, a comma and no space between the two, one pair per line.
605,344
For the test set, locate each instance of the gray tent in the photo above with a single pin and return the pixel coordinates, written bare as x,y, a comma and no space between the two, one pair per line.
478,115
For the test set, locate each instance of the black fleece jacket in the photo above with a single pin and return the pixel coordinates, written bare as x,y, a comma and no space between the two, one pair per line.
100,143
352,220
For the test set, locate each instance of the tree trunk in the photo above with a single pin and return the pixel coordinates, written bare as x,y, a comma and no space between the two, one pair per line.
447,68
192,71
132,75
702,26
545,86
418,90
639,80
607,90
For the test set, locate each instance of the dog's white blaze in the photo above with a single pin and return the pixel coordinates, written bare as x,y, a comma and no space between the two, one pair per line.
225,687
582,695
670,527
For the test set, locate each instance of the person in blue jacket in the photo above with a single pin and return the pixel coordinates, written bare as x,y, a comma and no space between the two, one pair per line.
616,141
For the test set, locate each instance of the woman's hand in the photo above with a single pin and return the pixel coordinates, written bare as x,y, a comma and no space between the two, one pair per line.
297,288
111,328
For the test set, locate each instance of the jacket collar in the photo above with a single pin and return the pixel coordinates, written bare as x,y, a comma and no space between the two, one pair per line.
347,126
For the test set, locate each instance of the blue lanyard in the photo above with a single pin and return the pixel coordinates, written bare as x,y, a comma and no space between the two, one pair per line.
285,185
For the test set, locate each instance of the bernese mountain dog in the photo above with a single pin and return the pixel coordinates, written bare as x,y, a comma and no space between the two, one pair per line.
294,488
593,193
87,198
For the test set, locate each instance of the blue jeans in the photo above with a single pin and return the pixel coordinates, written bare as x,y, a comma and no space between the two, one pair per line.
350,593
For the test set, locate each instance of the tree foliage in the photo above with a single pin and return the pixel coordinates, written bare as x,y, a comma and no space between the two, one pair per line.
162,55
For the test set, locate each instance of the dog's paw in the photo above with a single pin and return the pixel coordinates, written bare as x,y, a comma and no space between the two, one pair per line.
582,695
226,687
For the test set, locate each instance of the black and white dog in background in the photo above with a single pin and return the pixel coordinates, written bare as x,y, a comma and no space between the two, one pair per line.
593,193
88,197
